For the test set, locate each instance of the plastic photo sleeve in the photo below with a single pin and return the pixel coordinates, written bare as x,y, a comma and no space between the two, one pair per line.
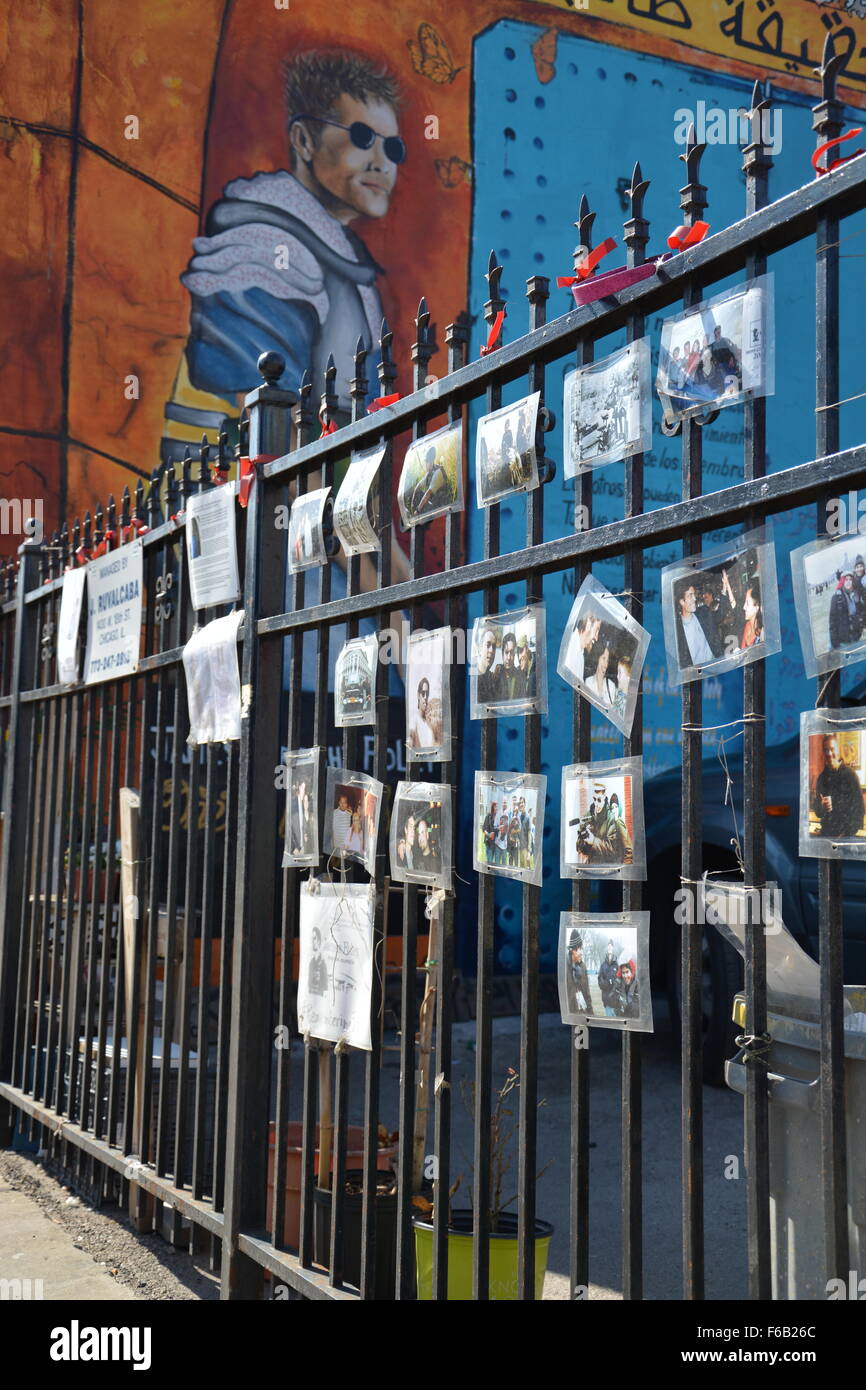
213,683
508,824
829,579
302,807
428,696
335,968
508,663
69,624
353,802
354,517
719,353
505,458
355,682
832,782
602,653
431,480
602,823
604,970
211,547
608,409
721,609
306,531
421,839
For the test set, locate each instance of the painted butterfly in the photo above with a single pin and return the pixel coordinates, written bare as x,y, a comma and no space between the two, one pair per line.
544,55
453,171
431,56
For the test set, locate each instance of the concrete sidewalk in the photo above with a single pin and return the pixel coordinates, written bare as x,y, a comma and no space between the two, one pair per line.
35,1247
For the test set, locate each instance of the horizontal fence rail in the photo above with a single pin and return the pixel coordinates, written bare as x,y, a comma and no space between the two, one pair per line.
148,971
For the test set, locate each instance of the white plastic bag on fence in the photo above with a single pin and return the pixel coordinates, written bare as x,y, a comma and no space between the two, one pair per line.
213,685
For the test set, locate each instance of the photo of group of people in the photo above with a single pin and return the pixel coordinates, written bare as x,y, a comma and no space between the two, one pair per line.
420,846
720,610
508,672
505,458
509,822
833,783
604,970
608,412
710,356
602,653
354,507
431,480
602,830
428,696
830,598
353,803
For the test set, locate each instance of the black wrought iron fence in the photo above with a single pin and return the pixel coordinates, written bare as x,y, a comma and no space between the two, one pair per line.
154,1061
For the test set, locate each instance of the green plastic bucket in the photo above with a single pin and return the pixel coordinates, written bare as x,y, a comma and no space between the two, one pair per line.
503,1257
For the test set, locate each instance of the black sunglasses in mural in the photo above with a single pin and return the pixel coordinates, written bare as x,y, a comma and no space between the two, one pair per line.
362,136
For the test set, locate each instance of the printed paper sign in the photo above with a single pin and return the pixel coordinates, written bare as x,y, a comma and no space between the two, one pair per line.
67,627
211,547
114,593
335,980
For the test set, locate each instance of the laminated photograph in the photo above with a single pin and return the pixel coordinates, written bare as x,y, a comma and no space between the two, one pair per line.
213,682
505,458
335,966
832,782
69,625
421,840
353,802
602,824
721,609
211,547
355,682
428,696
719,352
307,547
355,504
302,808
509,824
602,653
829,579
608,409
508,664
604,970
431,480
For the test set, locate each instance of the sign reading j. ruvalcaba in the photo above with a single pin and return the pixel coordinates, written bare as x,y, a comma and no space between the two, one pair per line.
786,38
114,593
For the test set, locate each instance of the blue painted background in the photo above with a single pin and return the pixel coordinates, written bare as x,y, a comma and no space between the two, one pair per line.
537,148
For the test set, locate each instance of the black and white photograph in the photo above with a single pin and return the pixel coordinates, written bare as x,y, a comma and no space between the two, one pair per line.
431,480
355,504
302,807
355,682
420,840
509,824
428,696
830,601
505,457
608,409
603,970
306,534
718,353
508,663
335,966
602,823
833,783
353,802
721,609
602,653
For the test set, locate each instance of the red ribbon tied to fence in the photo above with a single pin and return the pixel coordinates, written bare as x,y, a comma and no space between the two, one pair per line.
136,528
328,426
246,478
683,237
822,149
495,330
104,545
587,265
381,401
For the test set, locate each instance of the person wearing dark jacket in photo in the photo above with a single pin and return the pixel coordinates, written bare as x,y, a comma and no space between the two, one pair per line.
577,978
846,612
627,1003
838,799
607,981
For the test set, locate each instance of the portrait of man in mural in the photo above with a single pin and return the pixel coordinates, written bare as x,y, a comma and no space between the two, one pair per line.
279,267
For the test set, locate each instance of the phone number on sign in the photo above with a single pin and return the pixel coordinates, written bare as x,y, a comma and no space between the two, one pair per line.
109,663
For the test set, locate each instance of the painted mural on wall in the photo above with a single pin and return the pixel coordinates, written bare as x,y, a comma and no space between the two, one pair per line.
186,186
